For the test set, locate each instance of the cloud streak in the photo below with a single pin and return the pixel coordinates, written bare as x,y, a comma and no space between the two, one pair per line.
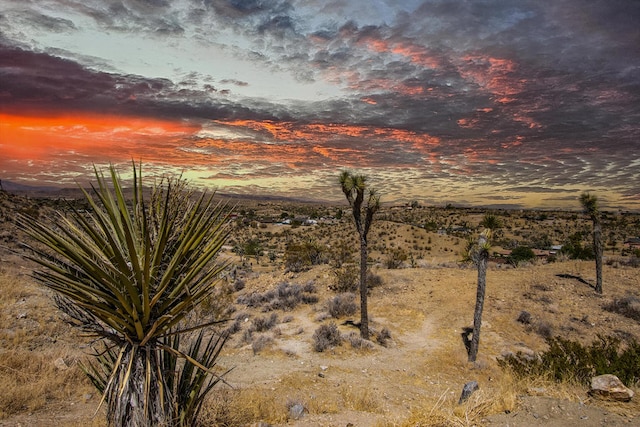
456,102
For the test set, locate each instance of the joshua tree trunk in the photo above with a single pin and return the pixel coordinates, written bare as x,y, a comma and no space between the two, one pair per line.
354,188
130,403
364,314
589,204
477,315
598,249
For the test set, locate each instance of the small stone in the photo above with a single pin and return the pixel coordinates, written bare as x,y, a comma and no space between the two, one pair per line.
468,390
609,387
296,411
22,315
60,364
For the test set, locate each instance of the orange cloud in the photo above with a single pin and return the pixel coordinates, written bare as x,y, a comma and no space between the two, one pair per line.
96,137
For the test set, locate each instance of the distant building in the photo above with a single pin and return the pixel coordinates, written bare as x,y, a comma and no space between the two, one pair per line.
633,243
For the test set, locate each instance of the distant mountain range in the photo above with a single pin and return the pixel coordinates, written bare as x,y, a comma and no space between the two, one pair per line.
74,192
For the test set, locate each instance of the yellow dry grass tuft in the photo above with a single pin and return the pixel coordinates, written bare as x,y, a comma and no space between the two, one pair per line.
38,351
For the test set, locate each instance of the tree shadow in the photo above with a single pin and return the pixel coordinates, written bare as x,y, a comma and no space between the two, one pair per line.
467,336
578,278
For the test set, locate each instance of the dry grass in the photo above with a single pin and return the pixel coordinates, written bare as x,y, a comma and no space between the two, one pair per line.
38,351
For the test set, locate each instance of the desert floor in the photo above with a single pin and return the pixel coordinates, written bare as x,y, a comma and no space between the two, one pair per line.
416,379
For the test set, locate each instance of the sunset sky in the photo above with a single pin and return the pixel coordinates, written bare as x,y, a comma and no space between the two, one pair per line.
521,103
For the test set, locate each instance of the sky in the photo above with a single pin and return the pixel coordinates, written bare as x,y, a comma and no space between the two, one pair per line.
495,103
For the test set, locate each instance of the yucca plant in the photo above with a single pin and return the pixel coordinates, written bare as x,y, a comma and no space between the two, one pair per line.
129,272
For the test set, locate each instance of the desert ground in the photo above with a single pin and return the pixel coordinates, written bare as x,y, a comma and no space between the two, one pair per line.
412,371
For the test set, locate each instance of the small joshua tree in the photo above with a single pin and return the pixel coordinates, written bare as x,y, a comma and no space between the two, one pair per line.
589,204
355,190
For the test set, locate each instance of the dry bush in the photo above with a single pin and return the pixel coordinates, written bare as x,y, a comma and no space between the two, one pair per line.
383,337
357,342
628,306
285,297
263,324
260,343
326,336
346,279
342,305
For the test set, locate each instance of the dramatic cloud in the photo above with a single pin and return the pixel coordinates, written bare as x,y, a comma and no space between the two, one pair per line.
501,103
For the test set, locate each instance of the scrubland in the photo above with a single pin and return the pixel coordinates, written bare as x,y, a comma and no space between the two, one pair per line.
412,371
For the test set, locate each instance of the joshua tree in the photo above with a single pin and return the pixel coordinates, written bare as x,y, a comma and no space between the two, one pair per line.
354,188
590,207
129,272
478,253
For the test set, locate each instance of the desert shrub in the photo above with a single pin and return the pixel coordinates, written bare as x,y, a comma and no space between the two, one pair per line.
238,285
395,258
521,254
346,279
357,342
567,360
342,305
285,297
218,305
262,324
628,306
326,336
341,253
301,256
524,317
260,343
544,329
573,248
235,326
383,337
373,280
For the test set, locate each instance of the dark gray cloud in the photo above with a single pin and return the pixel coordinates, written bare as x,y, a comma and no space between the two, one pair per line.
533,97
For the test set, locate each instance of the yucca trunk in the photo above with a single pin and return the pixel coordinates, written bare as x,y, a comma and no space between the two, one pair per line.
364,312
477,315
136,395
598,249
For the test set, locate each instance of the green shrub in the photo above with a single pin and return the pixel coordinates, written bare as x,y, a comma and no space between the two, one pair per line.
346,279
301,256
395,258
521,254
570,360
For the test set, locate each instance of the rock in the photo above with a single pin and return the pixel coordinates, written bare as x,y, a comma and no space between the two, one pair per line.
296,411
609,387
468,390
60,364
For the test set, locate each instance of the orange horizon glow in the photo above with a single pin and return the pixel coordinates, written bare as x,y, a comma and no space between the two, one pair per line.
98,136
